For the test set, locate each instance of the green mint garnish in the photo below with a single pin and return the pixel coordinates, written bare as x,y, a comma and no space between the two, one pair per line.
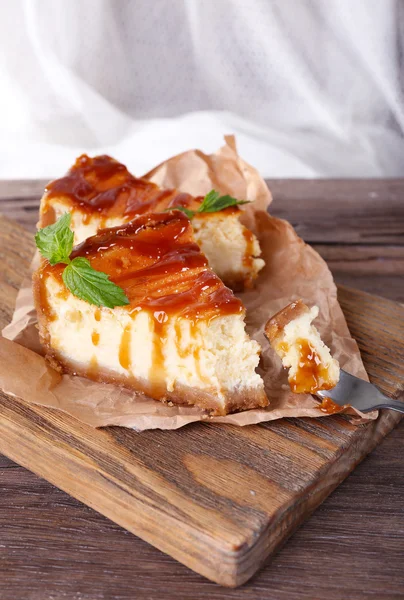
55,243
213,202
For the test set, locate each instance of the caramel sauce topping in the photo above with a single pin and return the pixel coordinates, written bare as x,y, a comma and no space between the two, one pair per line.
249,251
330,407
157,370
105,186
124,349
283,348
311,376
160,268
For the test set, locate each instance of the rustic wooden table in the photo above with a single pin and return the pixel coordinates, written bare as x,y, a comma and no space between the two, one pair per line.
53,547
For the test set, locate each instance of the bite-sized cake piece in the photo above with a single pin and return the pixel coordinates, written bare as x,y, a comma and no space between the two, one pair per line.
298,343
100,192
181,338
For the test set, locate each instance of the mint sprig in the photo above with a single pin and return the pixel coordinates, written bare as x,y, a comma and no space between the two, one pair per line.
92,286
213,202
55,243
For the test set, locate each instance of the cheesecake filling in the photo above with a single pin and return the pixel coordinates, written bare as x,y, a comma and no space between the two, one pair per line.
158,351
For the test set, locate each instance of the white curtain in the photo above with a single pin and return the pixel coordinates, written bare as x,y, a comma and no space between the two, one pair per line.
311,88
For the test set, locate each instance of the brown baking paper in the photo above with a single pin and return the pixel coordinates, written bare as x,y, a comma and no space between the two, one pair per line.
293,270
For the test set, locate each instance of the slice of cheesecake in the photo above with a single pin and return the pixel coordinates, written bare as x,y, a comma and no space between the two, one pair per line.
181,338
100,192
298,343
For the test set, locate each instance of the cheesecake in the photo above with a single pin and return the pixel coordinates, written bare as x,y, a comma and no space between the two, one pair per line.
301,349
180,338
100,192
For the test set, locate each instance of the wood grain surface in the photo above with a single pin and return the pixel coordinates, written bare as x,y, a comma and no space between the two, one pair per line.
120,576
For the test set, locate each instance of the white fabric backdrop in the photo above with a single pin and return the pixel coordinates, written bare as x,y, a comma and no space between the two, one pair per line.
311,88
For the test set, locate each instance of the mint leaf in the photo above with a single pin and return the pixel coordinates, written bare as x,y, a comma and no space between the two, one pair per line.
92,286
213,202
55,242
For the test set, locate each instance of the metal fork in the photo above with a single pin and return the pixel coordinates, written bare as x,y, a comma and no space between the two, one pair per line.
360,394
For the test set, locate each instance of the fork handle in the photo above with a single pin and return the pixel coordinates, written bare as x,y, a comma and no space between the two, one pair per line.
397,405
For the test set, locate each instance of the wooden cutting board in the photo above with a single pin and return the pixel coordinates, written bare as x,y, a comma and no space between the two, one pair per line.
220,499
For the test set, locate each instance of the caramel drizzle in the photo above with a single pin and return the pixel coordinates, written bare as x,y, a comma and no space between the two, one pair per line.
124,349
311,376
164,270
192,348
157,371
330,407
103,185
